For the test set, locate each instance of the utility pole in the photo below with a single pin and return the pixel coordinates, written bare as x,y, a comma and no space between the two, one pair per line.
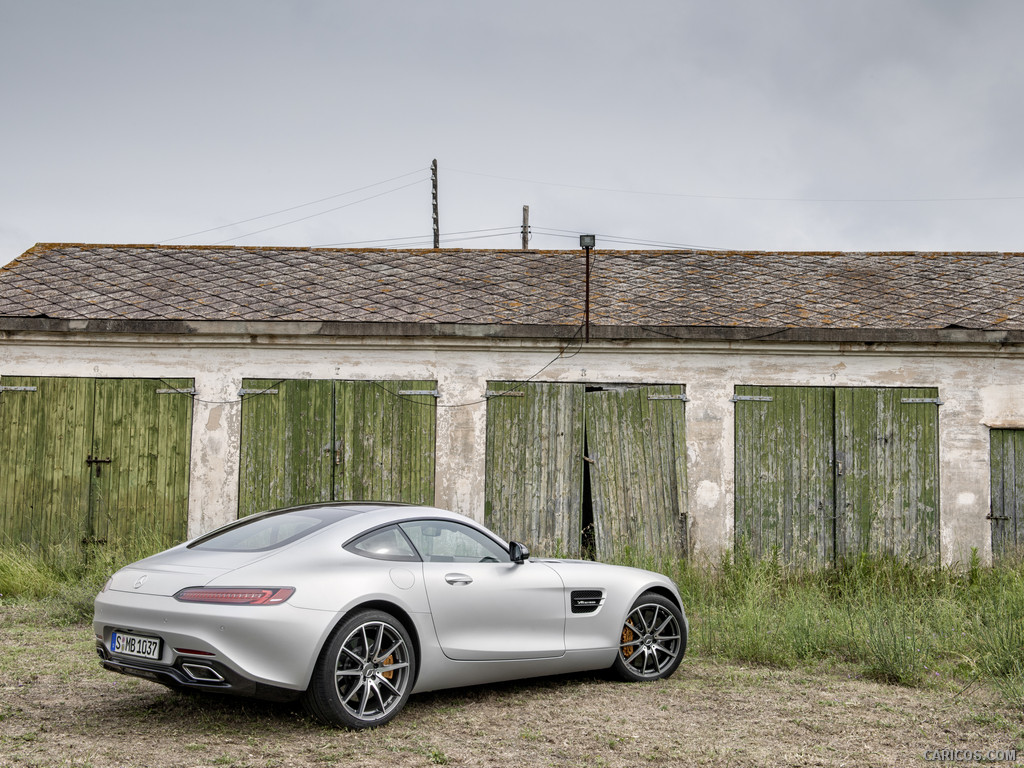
526,227
433,187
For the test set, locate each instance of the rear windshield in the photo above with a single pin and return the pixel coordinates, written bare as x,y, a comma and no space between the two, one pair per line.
273,530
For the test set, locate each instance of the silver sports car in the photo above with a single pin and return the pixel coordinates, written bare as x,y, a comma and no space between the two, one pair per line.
355,606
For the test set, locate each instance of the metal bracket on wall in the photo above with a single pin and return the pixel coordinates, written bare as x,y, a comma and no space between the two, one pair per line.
912,400
746,398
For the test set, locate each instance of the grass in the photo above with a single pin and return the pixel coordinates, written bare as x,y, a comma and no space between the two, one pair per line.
61,581
885,619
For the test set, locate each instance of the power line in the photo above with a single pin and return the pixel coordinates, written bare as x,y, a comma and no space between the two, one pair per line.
747,198
293,208
624,240
420,238
272,389
321,213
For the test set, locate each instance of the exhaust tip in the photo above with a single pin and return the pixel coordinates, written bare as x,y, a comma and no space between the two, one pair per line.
202,673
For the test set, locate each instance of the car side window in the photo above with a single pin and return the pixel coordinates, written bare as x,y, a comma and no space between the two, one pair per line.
443,541
383,544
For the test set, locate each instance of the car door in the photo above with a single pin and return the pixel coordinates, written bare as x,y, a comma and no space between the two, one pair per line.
484,607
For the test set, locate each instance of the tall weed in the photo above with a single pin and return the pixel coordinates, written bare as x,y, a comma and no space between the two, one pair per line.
64,579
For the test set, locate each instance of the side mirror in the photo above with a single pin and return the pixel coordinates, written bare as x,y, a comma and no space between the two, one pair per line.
517,553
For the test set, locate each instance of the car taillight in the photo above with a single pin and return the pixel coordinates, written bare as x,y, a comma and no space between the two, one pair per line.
235,595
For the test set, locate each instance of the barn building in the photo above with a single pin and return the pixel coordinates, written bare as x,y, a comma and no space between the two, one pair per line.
816,405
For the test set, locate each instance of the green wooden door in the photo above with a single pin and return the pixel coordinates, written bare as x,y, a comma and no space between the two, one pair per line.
385,440
534,474
90,461
785,499
314,440
143,427
824,473
637,468
887,472
46,429
287,451
1007,492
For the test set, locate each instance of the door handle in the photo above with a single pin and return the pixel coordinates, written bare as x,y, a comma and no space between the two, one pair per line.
458,578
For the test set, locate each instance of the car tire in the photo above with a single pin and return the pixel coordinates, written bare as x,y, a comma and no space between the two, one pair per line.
365,672
652,640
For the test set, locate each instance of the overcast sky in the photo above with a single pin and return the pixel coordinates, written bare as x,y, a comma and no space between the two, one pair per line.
762,125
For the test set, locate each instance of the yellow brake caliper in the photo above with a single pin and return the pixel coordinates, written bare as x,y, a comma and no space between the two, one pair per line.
388,662
627,637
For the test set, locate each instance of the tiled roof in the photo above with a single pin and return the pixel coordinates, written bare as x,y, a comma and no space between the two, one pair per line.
629,288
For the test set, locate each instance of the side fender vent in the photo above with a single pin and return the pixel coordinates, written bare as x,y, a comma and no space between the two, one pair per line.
586,600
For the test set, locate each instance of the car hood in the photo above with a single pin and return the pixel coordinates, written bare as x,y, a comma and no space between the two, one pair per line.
169,572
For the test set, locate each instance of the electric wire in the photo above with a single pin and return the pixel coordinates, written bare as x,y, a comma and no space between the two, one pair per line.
408,398
294,207
623,240
747,198
421,238
321,213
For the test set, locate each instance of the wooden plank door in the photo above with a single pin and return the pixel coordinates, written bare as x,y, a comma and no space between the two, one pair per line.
887,472
534,472
385,435
1007,492
636,454
785,497
141,443
287,450
45,437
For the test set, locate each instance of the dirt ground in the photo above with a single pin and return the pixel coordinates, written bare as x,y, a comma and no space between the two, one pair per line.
58,708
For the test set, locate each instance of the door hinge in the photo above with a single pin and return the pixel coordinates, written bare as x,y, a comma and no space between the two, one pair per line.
913,400
429,392
749,398
506,393
997,517
189,391
17,389
243,392
681,398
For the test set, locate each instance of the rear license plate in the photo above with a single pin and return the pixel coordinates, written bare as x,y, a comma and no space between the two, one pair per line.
133,645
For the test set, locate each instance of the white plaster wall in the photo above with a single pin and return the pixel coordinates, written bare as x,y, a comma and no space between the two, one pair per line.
980,386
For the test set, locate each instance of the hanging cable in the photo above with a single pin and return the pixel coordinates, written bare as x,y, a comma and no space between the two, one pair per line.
292,208
748,198
321,213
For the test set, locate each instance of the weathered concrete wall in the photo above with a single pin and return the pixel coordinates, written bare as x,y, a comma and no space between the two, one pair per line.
980,385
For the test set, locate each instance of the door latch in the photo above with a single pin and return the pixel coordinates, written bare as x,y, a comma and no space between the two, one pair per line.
90,460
